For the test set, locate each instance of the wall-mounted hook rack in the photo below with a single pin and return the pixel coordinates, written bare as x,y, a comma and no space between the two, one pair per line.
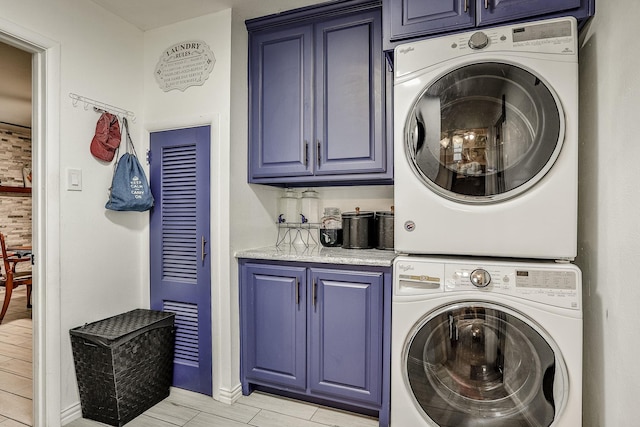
100,107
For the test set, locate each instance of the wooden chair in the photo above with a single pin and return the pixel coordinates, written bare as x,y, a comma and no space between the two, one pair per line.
11,278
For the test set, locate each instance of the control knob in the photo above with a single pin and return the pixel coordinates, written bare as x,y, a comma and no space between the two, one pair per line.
478,40
480,278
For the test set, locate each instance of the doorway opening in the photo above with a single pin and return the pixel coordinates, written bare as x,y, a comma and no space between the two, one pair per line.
45,220
16,328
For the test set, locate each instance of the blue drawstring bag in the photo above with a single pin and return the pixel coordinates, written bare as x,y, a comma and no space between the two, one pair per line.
130,189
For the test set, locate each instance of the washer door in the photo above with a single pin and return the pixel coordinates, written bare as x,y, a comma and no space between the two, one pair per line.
481,364
484,132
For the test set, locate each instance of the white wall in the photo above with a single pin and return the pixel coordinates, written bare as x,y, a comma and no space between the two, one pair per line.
609,232
203,105
103,64
100,274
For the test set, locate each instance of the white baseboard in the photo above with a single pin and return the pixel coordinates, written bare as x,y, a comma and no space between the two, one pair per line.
72,413
230,396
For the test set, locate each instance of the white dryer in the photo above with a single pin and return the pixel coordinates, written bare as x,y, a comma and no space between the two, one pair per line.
485,343
486,142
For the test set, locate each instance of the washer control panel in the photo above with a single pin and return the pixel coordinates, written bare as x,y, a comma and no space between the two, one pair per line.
553,284
478,40
480,278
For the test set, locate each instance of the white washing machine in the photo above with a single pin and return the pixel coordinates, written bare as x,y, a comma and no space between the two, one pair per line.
485,343
486,142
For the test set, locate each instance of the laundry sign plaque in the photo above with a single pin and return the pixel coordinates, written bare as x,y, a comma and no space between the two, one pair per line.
184,64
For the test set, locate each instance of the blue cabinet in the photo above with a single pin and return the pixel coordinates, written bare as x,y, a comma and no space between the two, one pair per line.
280,91
491,12
317,332
345,344
409,19
274,333
317,97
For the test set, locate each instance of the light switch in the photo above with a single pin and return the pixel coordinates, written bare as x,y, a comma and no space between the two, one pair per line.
74,179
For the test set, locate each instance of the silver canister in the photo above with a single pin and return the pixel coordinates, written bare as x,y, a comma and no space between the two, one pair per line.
384,229
358,229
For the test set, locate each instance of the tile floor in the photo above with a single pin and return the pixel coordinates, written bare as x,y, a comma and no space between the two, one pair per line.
16,374
181,408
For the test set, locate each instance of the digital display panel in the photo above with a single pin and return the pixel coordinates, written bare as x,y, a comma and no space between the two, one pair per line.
542,31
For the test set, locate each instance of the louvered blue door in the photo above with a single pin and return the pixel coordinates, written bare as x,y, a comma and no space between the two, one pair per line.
180,248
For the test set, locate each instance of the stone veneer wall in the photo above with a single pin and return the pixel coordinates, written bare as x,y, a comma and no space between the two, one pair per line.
15,208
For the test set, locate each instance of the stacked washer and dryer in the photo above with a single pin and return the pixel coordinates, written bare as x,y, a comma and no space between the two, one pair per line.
487,307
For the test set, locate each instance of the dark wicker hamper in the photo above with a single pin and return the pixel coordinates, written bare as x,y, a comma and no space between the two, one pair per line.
124,364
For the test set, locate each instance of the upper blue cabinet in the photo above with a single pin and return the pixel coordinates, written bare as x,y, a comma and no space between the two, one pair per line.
317,97
409,19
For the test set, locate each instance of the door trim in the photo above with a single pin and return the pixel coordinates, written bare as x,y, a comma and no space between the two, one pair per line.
45,142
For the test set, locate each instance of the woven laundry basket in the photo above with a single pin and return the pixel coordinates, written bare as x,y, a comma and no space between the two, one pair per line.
124,364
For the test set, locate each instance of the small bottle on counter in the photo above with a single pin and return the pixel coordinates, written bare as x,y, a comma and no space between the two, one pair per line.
331,228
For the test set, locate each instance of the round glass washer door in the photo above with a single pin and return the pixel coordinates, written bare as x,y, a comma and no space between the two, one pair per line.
481,364
484,132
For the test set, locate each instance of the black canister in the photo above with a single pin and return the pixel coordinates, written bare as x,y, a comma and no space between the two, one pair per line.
358,230
384,229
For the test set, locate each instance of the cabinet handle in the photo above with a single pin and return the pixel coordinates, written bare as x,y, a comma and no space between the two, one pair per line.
297,291
204,242
306,153
486,4
314,293
319,152
466,6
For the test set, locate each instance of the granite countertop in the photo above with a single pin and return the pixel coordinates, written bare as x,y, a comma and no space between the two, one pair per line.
321,254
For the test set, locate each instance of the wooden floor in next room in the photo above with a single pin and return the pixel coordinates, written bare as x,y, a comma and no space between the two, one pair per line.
16,372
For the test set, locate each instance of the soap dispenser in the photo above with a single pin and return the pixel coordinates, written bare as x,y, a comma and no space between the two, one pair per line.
309,206
289,208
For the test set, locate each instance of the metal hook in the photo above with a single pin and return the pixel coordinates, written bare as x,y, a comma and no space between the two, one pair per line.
101,107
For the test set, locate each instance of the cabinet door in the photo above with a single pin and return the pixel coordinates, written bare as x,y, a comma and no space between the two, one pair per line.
273,325
280,132
345,353
349,95
497,11
406,19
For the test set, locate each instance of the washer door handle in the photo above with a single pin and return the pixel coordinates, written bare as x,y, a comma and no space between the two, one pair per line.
418,136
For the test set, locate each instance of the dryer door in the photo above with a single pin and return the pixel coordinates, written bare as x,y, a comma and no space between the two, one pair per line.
481,364
484,132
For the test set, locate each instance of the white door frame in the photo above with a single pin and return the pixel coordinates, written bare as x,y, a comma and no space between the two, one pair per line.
46,218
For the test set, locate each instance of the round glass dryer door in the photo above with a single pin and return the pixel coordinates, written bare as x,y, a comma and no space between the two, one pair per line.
480,364
484,132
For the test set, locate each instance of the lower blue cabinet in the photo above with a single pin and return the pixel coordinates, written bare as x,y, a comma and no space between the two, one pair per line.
273,325
345,345
319,332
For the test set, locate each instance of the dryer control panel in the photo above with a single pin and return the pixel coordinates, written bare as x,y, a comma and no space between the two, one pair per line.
556,38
